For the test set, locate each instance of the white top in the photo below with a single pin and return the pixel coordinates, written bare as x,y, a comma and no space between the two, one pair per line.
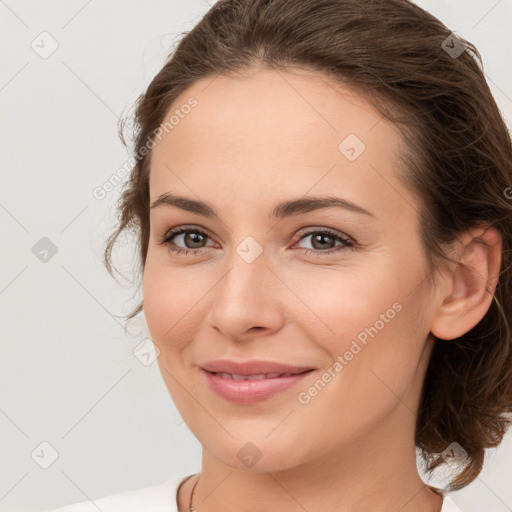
162,498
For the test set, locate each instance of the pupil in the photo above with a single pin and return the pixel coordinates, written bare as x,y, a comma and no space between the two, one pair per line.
318,237
194,238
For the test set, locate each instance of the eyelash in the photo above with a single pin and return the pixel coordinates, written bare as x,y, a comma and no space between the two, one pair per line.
166,241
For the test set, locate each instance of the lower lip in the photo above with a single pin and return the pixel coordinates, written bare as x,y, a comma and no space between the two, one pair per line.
250,391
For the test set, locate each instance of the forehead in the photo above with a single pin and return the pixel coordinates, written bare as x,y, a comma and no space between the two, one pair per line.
277,131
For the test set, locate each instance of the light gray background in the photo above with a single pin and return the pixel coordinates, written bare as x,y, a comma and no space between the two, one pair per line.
68,373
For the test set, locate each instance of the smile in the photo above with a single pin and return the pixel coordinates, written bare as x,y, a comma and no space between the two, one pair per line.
248,389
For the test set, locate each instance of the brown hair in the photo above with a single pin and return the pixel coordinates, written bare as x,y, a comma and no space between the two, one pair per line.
458,159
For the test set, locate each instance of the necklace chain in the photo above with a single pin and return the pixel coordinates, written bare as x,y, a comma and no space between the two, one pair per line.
190,507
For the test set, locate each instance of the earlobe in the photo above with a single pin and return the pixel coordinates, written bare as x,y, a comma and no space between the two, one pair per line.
471,284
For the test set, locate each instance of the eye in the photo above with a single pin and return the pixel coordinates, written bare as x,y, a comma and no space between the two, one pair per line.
191,237
323,241
187,240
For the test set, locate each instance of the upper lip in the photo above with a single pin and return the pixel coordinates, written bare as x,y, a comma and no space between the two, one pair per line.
255,367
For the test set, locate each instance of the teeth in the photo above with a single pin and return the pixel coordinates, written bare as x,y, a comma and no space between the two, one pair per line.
253,377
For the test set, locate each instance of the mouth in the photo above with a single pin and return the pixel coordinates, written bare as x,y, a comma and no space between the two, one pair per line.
250,389
260,376
256,368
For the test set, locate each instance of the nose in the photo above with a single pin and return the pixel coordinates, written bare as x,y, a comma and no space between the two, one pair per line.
247,300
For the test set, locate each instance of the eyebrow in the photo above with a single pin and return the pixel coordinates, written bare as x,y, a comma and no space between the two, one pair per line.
281,210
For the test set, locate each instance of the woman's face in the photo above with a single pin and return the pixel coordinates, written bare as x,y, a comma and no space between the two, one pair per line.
255,283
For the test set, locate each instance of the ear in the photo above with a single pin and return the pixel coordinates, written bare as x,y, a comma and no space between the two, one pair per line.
468,288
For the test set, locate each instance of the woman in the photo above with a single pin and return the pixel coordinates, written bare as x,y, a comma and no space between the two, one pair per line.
320,197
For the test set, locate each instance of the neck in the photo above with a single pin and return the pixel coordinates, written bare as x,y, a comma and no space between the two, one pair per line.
364,476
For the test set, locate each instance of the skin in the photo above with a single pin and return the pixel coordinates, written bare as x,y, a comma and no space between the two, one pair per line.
251,142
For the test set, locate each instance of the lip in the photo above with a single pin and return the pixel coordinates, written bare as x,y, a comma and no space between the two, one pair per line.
251,391
254,367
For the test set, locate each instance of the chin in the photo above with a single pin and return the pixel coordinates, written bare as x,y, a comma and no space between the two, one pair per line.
257,456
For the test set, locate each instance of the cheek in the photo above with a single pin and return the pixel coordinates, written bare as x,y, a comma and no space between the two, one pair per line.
164,302
371,321
158,305
381,350
377,364
342,302
174,303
